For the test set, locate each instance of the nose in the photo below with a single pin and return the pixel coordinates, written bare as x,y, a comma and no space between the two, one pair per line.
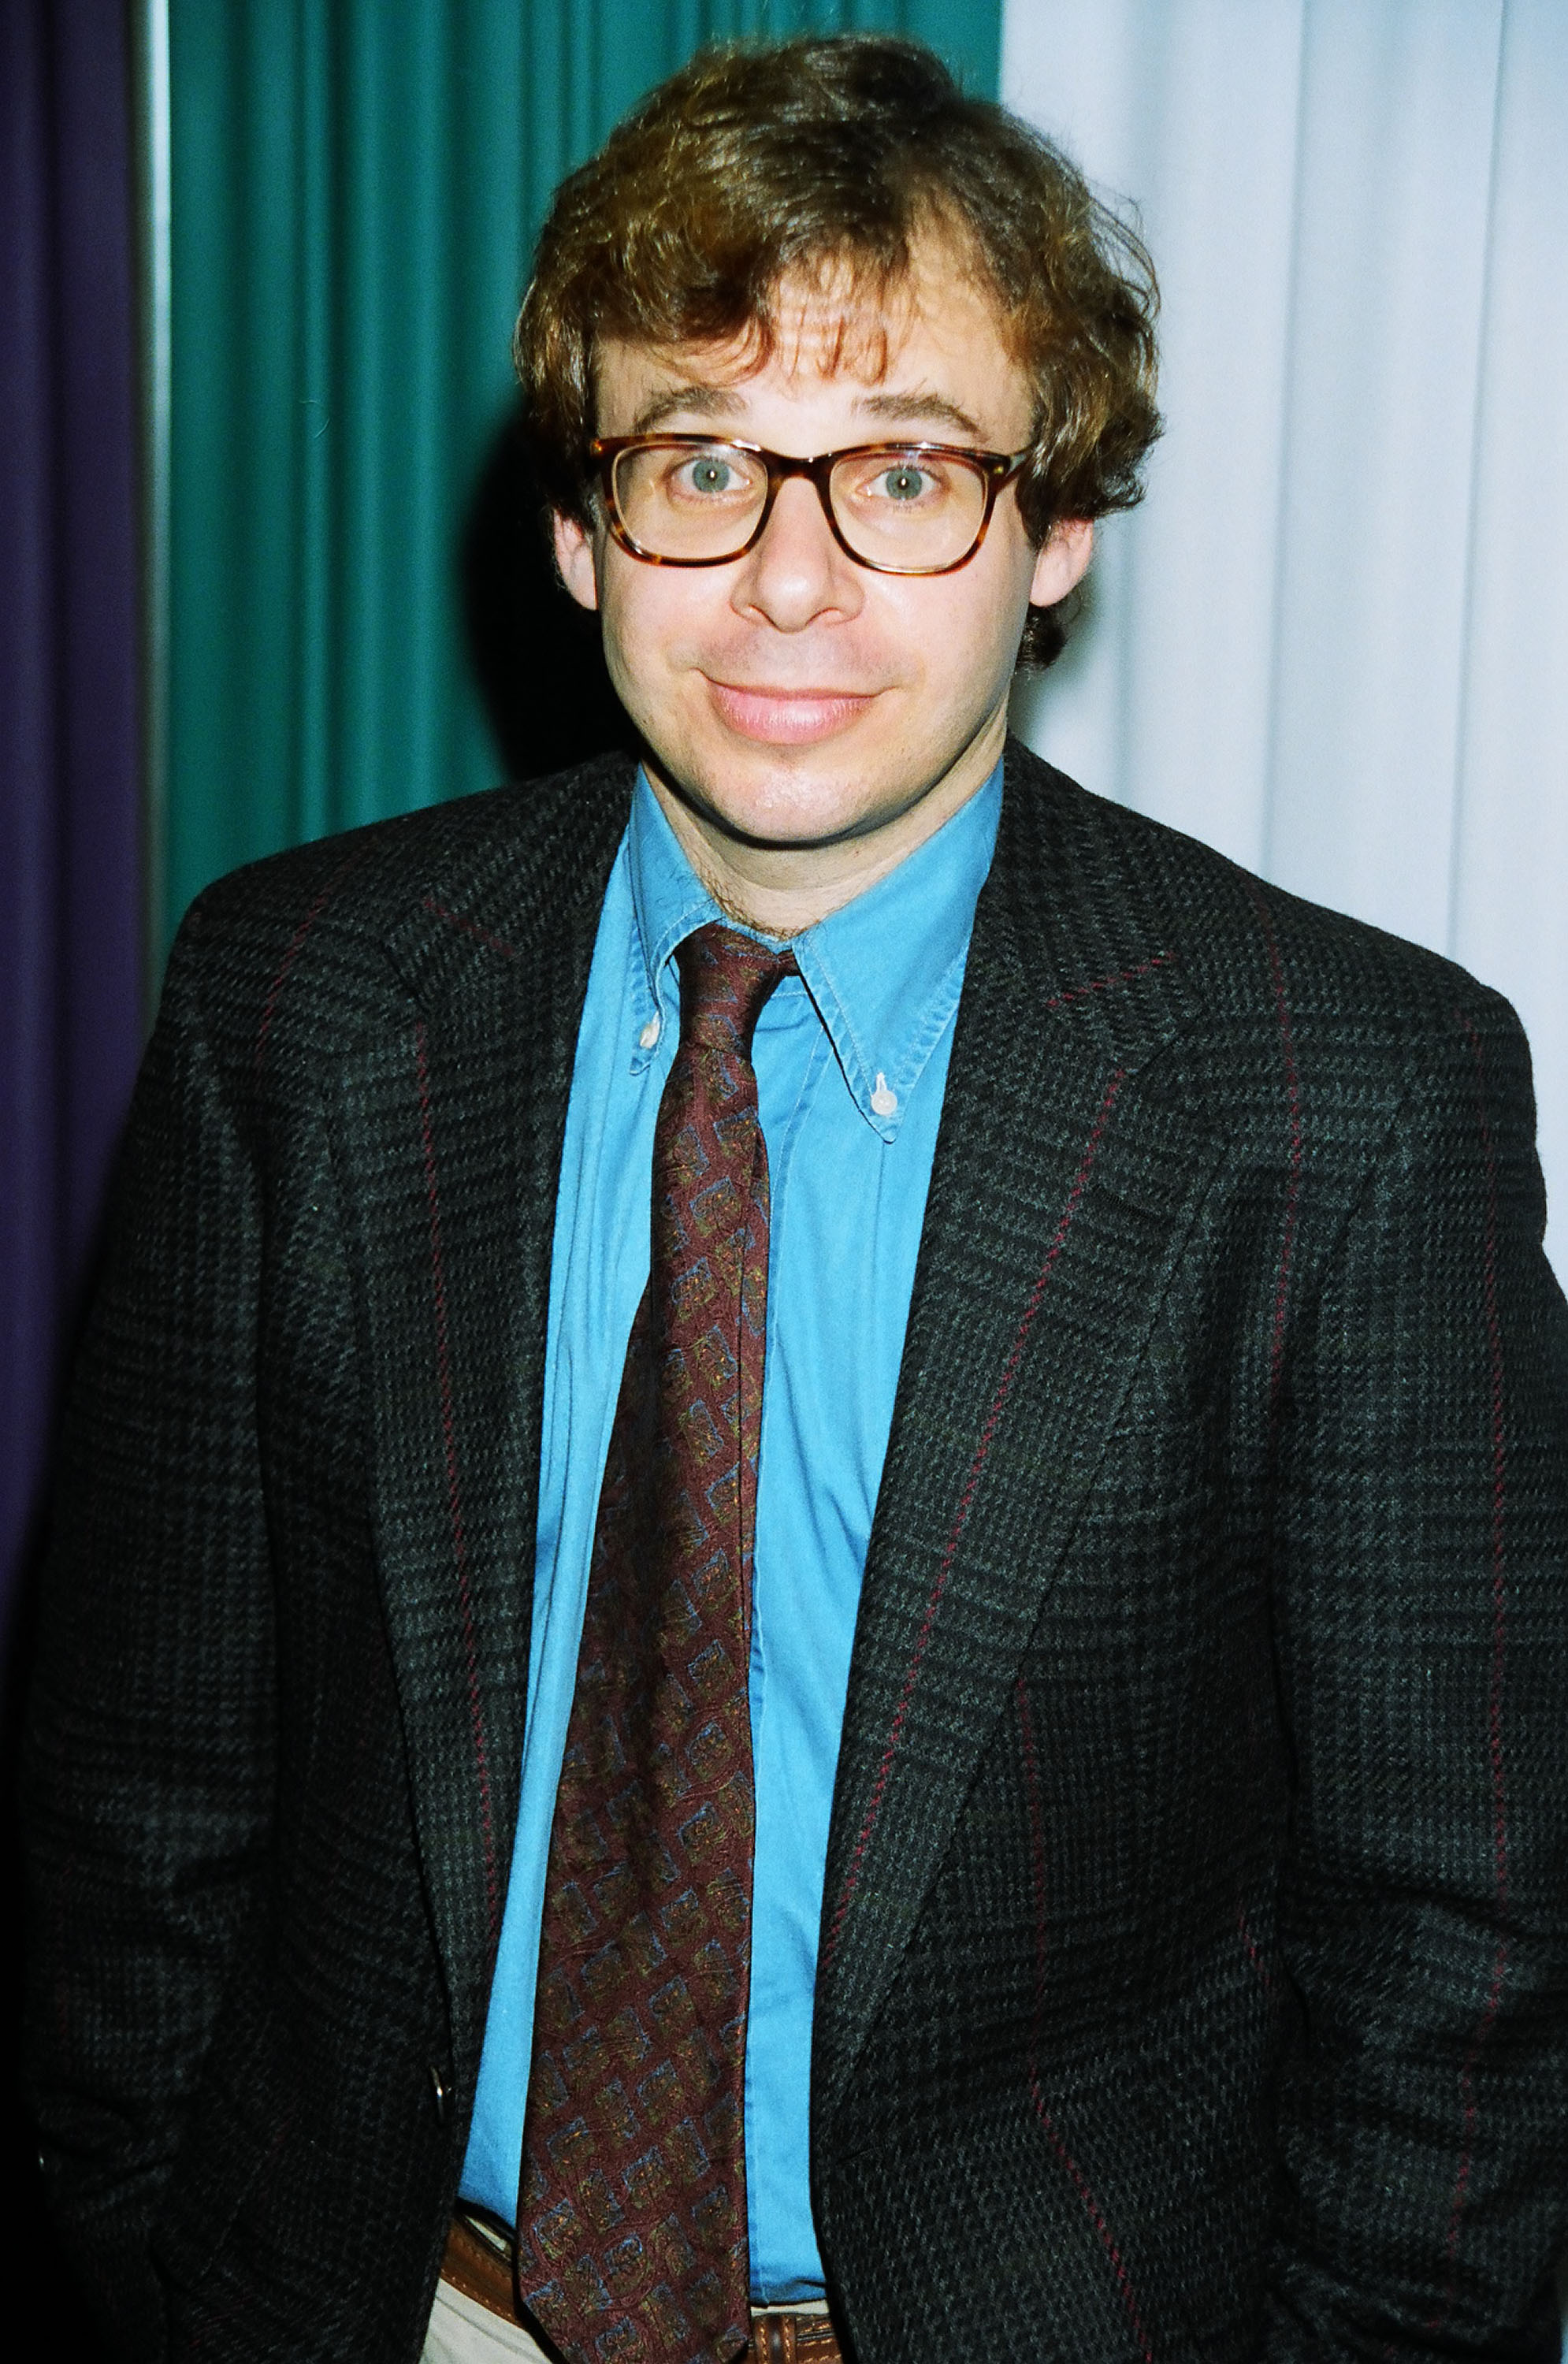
796,575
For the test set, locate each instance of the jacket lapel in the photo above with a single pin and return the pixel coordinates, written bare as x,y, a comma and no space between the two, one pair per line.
447,1130
1060,1195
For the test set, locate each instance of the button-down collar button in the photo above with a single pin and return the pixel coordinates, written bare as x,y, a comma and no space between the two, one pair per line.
883,1102
650,1034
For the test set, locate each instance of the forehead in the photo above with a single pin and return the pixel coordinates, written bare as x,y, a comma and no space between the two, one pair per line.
935,330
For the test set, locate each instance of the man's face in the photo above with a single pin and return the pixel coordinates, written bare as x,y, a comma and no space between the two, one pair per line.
792,698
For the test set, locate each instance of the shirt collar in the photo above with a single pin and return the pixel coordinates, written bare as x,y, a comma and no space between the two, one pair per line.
883,971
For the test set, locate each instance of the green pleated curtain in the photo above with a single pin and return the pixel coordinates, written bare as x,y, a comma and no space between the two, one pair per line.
355,187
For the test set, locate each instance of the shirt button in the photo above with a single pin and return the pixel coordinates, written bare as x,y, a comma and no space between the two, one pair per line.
650,1034
883,1102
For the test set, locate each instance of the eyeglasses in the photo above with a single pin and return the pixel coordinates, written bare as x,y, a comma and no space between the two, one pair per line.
899,508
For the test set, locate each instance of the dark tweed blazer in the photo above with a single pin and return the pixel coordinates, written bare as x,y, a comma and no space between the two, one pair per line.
1192,1978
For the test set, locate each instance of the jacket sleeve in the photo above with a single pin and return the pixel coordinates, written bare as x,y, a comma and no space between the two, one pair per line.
148,1778
1422,1600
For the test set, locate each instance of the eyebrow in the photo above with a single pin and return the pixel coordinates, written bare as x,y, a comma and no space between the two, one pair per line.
920,403
706,401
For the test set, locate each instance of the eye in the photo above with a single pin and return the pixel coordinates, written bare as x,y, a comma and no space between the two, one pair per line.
709,473
904,481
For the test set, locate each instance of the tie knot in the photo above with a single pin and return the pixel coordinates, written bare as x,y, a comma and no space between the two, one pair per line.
725,979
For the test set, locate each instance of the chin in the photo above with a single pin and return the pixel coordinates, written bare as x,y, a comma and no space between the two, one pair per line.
785,810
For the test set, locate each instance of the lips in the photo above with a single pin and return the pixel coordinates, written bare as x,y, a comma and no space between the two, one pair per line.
787,718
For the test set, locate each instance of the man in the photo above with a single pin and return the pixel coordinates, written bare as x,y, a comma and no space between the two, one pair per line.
809,1589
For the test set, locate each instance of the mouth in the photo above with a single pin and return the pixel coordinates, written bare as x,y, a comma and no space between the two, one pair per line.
787,718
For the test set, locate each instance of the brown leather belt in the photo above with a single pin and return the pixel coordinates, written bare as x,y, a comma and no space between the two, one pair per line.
780,2337
479,2264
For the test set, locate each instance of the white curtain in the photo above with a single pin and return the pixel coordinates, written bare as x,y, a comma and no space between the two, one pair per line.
1334,641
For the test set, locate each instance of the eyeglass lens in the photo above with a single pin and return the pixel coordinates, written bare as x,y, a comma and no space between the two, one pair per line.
908,510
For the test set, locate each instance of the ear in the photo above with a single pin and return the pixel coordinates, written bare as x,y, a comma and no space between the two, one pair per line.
574,556
1063,561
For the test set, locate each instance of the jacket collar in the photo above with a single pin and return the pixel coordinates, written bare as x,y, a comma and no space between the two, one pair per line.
512,898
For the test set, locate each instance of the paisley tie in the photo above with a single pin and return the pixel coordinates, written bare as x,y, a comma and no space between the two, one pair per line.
631,2211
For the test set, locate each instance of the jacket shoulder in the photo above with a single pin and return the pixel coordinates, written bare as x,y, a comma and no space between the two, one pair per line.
305,939
1249,950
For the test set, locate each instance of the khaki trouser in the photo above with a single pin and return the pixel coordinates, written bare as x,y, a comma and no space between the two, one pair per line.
464,2332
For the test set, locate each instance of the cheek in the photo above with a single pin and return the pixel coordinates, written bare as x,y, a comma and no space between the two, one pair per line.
962,625
656,615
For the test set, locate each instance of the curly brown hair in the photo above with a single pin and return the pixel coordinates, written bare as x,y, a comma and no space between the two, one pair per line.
756,163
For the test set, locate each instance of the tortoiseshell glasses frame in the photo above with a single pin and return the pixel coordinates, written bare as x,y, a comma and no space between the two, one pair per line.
994,471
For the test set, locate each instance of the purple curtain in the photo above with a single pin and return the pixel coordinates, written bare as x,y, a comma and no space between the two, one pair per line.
69,813
70,789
